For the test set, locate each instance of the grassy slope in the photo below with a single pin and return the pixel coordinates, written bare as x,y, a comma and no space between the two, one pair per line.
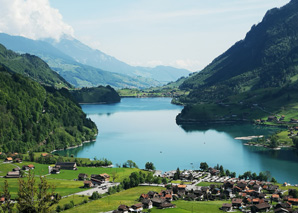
128,197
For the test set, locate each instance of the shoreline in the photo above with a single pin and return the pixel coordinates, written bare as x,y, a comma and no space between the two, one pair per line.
73,147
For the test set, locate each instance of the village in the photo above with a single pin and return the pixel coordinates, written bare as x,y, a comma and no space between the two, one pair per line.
192,185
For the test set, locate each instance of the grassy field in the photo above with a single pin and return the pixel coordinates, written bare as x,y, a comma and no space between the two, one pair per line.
179,181
128,197
73,174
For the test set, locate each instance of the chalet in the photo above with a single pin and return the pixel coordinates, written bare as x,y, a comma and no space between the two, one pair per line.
283,205
181,188
137,207
105,177
8,160
28,167
199,193
152,194
67,165
18,160
168,197
144,196
82,176
15,174
236,202
293,201
262,207
166,206
228,185
157,201
272,189
205,189
257,188
228,193
55,170
147,204
275,197
123,208
213,171
242,185
88,184
227,207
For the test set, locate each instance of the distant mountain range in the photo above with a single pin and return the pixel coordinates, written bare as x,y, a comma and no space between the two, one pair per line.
264,63
83,66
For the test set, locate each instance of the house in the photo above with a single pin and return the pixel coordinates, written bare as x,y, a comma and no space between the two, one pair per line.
144,196
293,201
2,199
82,176
283,205
55,170
88,184
166,205
228,193
168,197
227,207
105,177
123,208
272,118
257,188
275,197
15,174
136,208
236,202
272,189
262,207
181,188
67,165
147,204
8,160
152,194
157,201
28,167
18,160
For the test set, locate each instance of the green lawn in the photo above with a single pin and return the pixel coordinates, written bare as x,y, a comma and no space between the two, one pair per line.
179,181
73,174
6,167
127,197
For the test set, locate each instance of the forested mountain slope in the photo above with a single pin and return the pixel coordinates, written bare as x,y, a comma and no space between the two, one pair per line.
267,57
38,117
31,66
255,78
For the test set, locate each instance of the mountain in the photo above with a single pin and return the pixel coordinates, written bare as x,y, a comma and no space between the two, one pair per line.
77,74
38,117
88,56
31,66
262,64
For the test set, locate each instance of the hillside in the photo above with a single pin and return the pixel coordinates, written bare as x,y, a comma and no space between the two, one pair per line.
98,94
39,118
79,75
32,67
266,60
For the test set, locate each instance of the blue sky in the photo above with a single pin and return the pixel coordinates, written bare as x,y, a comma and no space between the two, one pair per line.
181,33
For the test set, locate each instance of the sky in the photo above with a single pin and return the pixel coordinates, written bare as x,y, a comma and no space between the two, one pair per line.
181,33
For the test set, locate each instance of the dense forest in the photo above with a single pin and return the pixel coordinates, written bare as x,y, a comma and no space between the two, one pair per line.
39,118
98,94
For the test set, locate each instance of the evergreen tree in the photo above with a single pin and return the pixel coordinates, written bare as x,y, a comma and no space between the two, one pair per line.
7,205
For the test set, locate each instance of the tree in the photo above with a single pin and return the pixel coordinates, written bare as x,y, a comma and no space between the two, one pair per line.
114,175
28,193
7,205
31,156
273,180
149,166
295,142
204,166
177,174
130,164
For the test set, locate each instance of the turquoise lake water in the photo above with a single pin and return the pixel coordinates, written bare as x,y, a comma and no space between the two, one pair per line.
145,130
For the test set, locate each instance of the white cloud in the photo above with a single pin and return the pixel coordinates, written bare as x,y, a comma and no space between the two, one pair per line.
34,19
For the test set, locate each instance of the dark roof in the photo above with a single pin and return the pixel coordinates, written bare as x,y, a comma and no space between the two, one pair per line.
262,206
157,200
146,201
82,175
237,200
138,205
123,207
227,205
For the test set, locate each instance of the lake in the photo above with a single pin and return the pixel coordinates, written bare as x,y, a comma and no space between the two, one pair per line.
144,130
